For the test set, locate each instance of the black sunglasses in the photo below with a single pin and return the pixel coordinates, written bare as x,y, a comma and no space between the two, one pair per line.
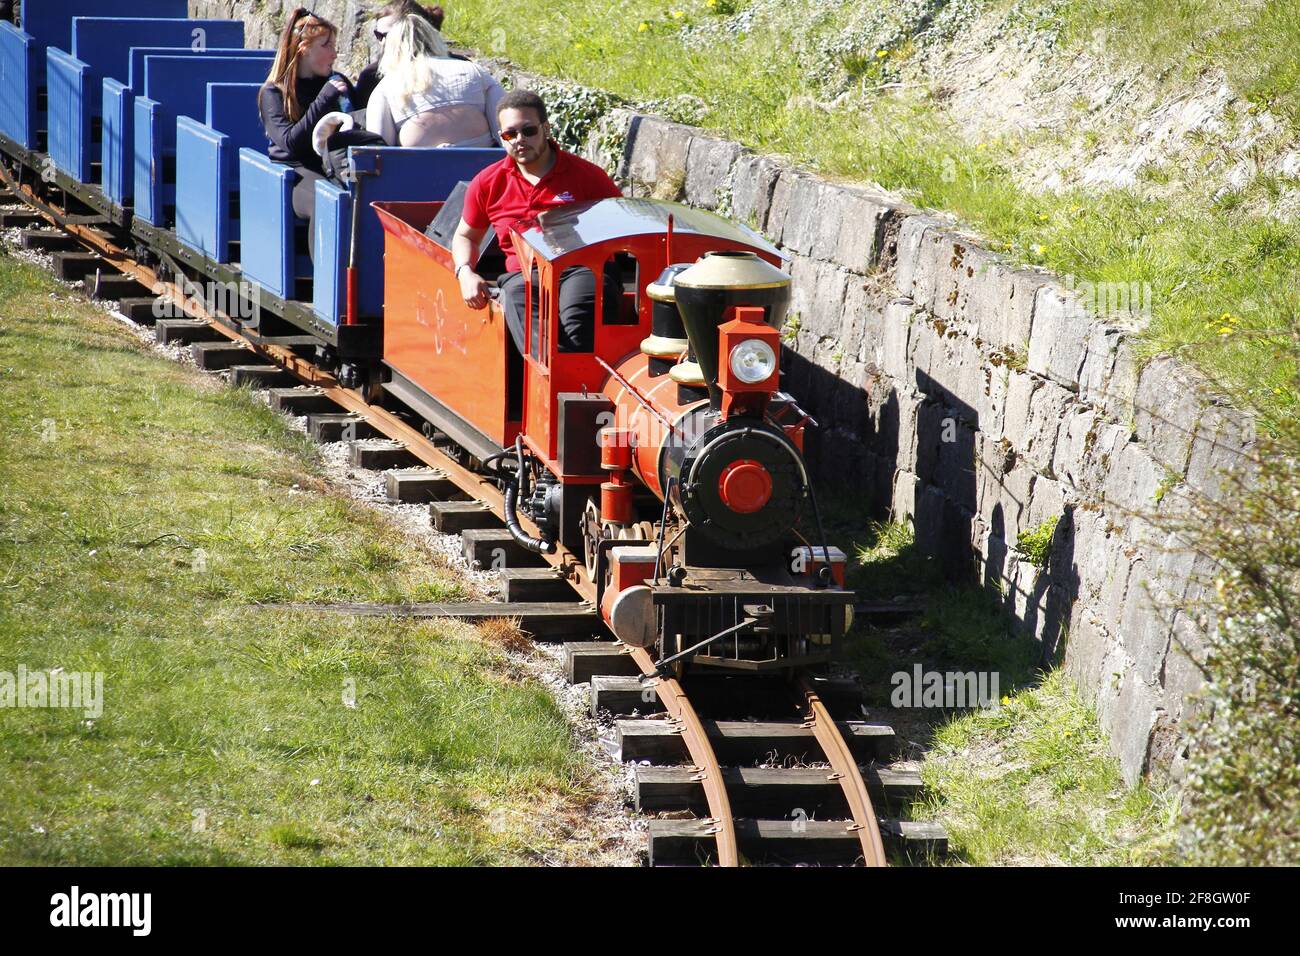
303,14
508,135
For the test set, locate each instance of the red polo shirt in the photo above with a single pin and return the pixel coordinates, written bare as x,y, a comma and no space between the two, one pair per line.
500,197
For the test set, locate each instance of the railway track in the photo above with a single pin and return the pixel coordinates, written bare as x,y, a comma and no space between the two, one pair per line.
738,769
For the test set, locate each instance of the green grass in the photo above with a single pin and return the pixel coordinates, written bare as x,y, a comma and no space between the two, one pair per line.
1032,783
1205,261
144,513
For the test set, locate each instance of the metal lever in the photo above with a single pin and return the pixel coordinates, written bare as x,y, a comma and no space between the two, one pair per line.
663,669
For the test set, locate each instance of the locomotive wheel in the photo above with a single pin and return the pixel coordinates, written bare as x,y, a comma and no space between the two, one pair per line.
593,532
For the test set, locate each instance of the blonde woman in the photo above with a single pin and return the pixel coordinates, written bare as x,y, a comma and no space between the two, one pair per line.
301,89
426,98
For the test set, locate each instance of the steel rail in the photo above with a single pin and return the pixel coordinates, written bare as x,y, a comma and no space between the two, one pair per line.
845,769
721,823
669,690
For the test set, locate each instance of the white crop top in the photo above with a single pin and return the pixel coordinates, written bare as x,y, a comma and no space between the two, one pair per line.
456,83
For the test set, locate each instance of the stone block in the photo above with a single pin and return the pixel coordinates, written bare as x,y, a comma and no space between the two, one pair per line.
962,270
894,347
1219,457
1046,501
812,220
657,148
1046,412
785,205
752,182
818,295
1003,306
1098,363
908,411
611,128
862,220
1121,390
929,353
709,163
864,318
1020,392
1088,647
1134,717
1133,480
1074,445
911,279
1058,336
906,489
992,405
1166,409
928,519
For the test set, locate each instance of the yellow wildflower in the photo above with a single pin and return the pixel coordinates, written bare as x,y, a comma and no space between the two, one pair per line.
1226,330
643,27
1039,248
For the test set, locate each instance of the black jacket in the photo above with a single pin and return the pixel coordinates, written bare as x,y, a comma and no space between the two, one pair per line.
291,142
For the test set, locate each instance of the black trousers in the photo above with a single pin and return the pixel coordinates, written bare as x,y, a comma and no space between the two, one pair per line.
577,306
304,205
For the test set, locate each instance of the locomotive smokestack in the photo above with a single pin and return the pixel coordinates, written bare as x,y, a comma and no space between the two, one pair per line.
709,289
667,338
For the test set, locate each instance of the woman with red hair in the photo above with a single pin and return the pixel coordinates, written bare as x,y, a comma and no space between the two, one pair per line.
302,88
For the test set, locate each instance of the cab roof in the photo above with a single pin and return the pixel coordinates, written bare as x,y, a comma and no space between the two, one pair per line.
566,229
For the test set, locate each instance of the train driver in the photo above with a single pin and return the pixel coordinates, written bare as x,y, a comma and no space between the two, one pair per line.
535,175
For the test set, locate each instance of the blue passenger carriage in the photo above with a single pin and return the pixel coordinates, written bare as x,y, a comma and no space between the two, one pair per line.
133,119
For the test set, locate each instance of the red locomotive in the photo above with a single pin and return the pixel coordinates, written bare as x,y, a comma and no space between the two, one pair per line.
666,456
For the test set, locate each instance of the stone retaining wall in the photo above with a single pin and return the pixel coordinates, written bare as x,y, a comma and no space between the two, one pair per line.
974,398
980,400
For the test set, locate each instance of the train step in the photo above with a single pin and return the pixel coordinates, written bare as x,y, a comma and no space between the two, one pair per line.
792,840
215,356
759,791
748,742
338,426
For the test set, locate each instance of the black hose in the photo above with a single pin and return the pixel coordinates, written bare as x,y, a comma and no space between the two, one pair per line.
512,517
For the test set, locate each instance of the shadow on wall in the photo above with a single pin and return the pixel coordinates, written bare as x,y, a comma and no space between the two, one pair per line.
858,439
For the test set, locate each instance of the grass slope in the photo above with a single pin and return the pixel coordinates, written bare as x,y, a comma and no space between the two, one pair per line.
143,511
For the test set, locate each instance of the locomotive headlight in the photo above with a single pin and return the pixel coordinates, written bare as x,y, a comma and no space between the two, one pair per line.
753,361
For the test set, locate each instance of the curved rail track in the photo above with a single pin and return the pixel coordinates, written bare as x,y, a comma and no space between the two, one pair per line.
718,835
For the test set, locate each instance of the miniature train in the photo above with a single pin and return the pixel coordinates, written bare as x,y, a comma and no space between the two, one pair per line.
666,456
